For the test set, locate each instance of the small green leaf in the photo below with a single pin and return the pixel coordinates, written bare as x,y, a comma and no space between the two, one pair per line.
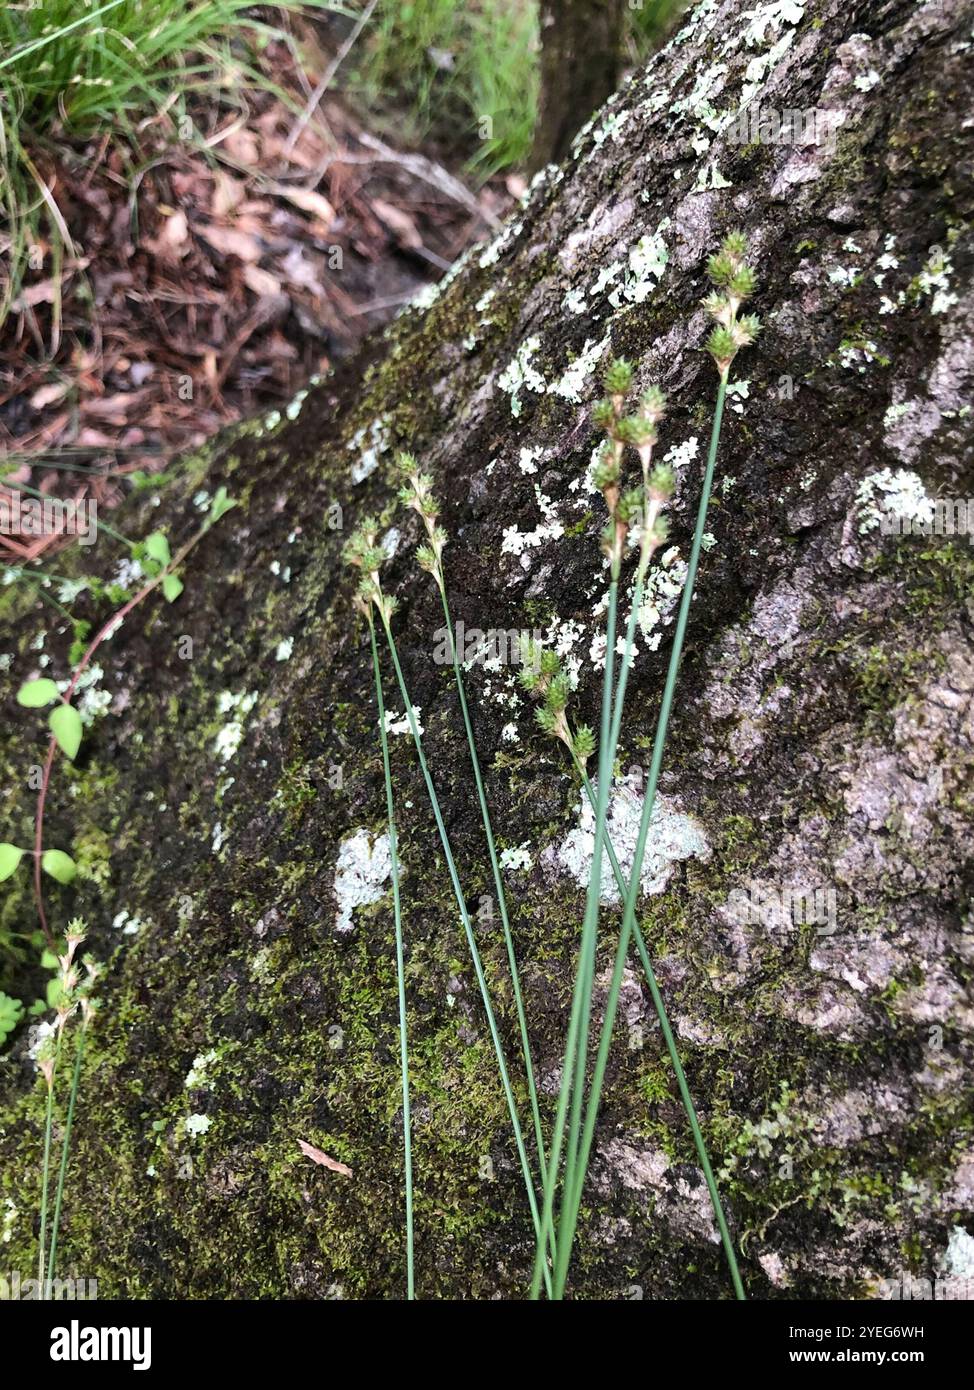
37,693
65,722
157,547
10,857
172,587
221,503
54,992
49,960
11,1012
59,865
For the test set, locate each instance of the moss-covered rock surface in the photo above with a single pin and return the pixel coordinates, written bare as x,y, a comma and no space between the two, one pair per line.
822,739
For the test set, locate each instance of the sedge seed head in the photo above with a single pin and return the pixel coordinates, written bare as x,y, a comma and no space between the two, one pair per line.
630,509
743,283
618,377
662,482
718,307
735,244
558,693
659,531
721,269
583,743
549,663
746,330
722,346
546,720
653,404
638,430
603,415
606,473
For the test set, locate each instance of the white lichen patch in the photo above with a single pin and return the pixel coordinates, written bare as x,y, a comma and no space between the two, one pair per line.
199,1077
294,406
197,1124
128,926
230,737
663,587
89,701
496,248
284,648
768,18
517,859
892,495
515,542
934,280
570,384
673,836
369,443
399,723
520,374
363,866
737,394
643,269
866,81
8,1221
958,1258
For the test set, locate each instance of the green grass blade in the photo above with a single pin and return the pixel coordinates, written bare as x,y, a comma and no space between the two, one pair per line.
659,745
502,903
65,1149
46,1168
400,971
576,1043
472,944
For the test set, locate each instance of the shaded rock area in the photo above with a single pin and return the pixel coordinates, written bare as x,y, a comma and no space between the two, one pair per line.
822,739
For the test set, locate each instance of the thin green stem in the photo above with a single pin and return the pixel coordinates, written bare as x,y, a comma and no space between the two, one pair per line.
612,745
671,1047
471,942
574,1044
46,1170
502,902
632,894
65,1147
594,897
400,968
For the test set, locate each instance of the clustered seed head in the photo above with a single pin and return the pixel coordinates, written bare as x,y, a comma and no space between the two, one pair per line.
364,554
417,493
734,282
544,677
74,994
633,508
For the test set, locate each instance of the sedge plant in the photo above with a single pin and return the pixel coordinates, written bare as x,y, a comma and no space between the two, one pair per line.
161,570
417,494
74,999
734,281
635,511
364,603
366,555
